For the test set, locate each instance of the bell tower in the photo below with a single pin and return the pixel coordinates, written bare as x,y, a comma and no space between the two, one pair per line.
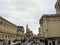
57,7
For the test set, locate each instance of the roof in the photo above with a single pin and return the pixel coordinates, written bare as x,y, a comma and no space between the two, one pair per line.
49,16
7,21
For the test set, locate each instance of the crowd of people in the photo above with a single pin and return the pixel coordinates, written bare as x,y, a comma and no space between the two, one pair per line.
33,42
23,42
2,42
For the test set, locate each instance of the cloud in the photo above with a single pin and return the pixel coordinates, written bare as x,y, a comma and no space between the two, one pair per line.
22,12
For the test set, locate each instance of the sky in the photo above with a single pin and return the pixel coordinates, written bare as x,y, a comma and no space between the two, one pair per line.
22,12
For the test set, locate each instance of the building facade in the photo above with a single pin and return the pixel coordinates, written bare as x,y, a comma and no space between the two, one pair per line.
57,7
39,33
8,30
50,26
20,32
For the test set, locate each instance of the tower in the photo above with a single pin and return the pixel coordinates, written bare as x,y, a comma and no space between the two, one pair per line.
57,7
27,29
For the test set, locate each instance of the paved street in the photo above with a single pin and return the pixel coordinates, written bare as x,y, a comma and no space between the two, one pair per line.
32,44
28,43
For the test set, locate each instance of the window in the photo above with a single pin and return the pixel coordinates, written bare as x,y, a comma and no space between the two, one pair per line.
54,20
58,4
59,20
3,36
59,7
4,24
1,22
7,25
6,36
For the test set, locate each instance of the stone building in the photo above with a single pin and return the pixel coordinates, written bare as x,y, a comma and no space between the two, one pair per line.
20,32
8,30
50,26
39,33
57,7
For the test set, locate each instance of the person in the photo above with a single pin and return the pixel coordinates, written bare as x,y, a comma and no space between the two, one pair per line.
9,42
4,42
36,42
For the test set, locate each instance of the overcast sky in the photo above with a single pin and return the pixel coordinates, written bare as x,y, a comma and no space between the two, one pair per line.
22,12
